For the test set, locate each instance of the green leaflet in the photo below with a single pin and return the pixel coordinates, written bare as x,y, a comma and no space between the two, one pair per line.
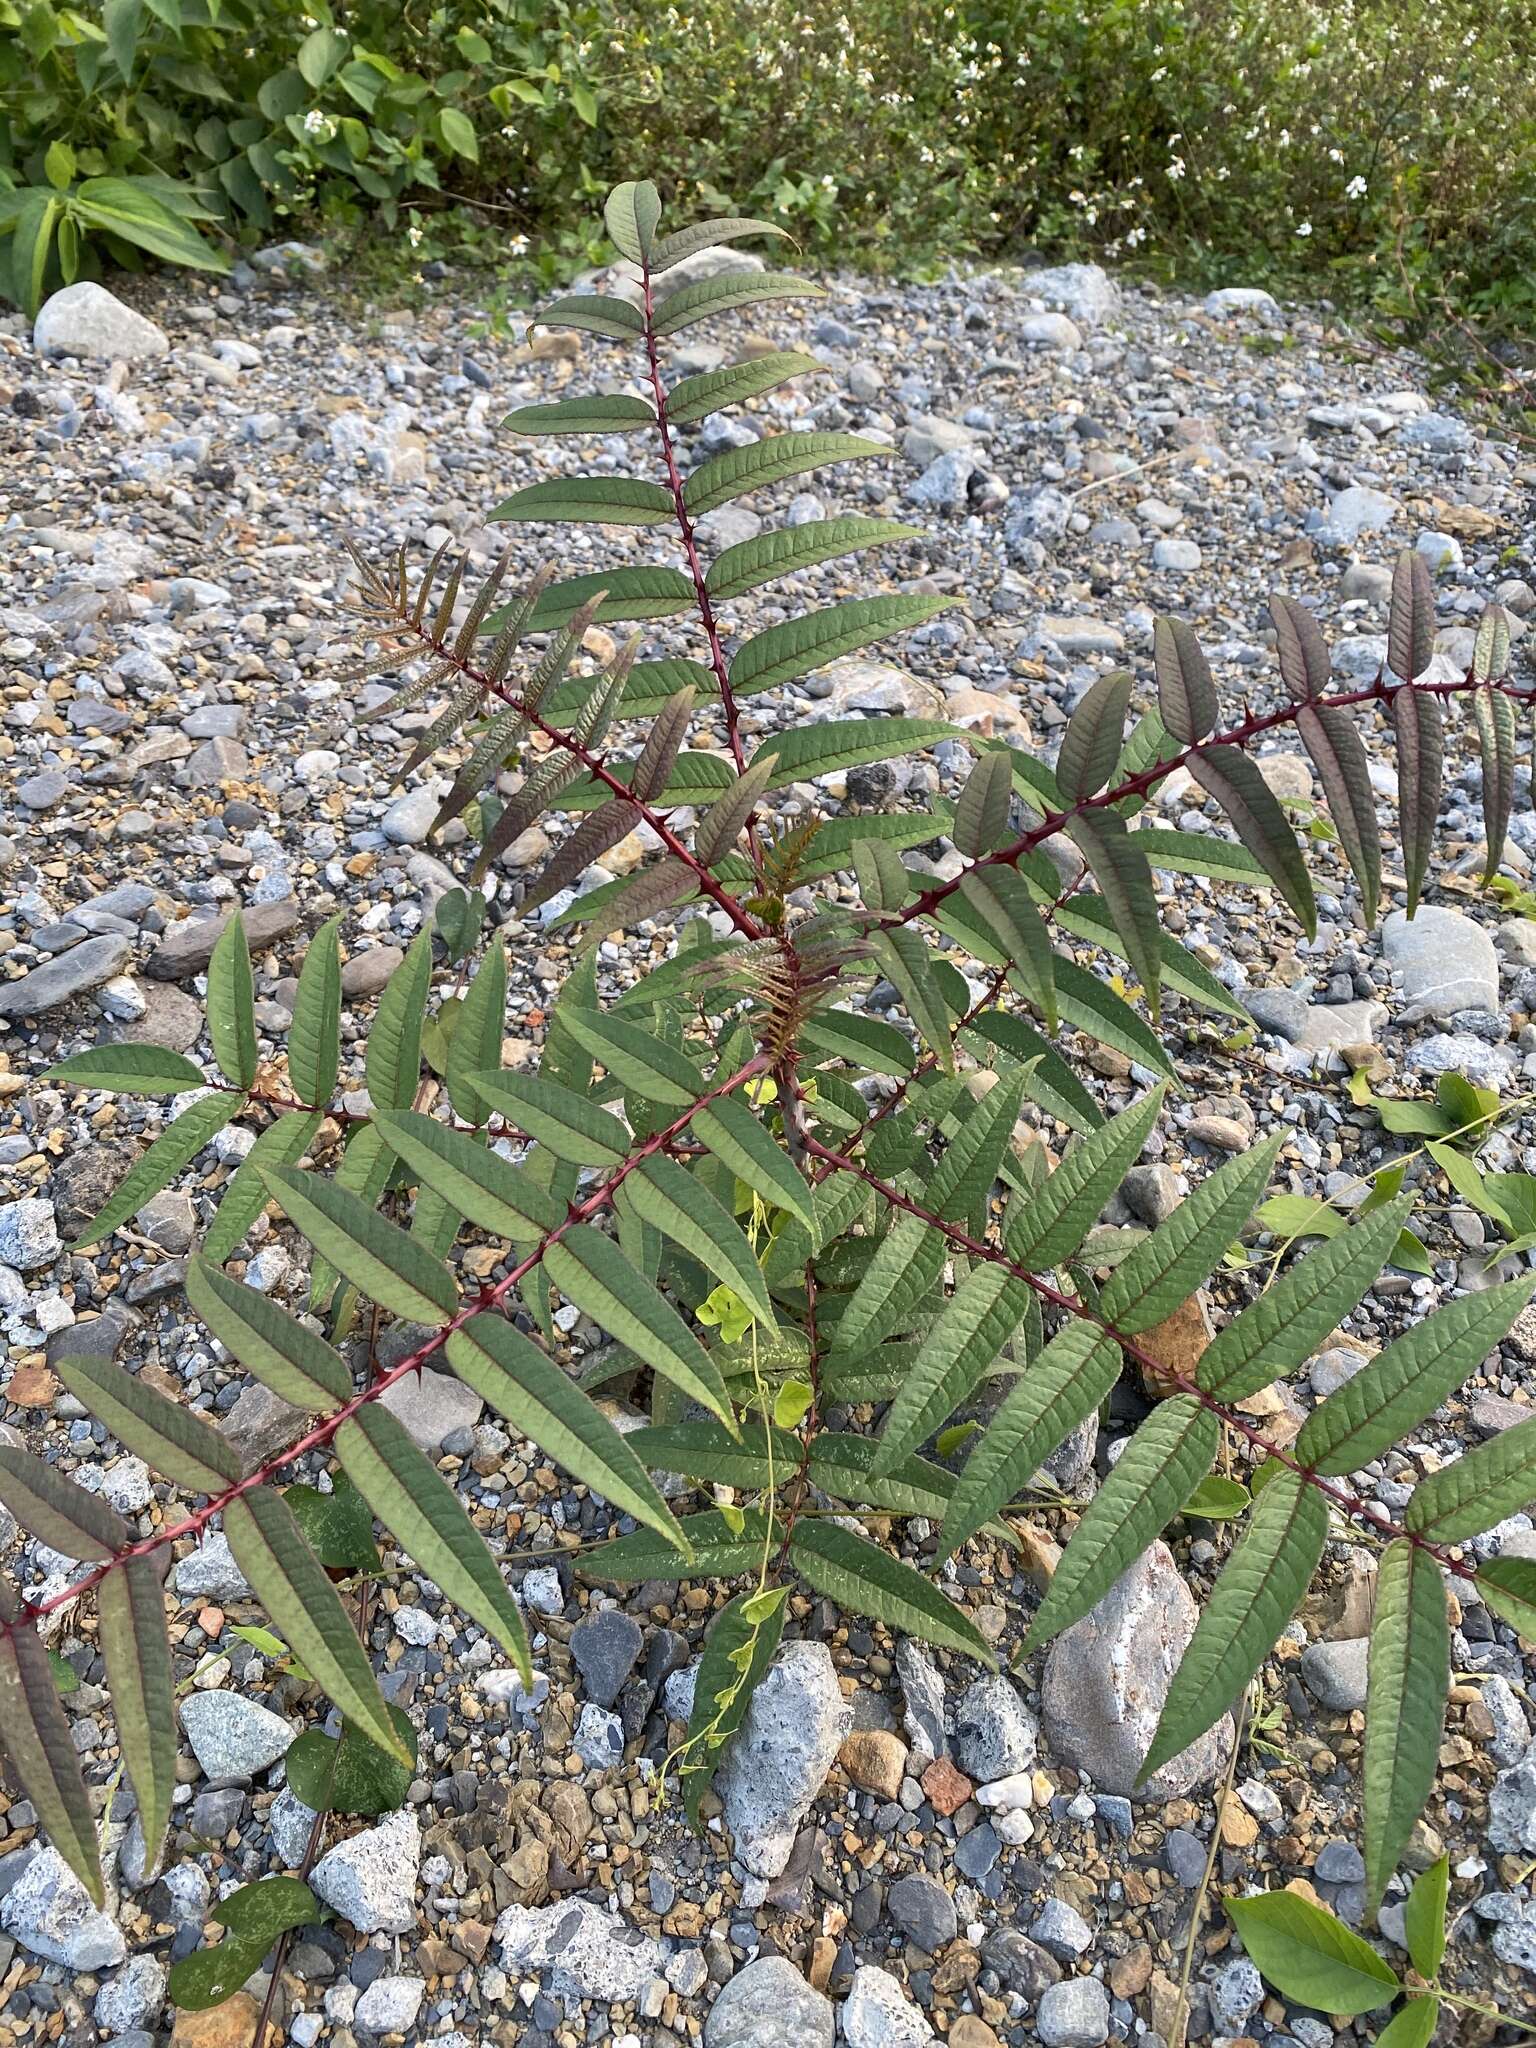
981,814
864,1042
232,1005
1091,744
1064,1384
1412,2025
380,1259
707,234
1186,690
573,1128
130,1620
1120,868
1311,1956
719,828
1003,901
884,883
1420,733
1508,1585
763,1456
1050,1225
1463,1499
1409,1380
641,592
427,1519
677,1203
176,1147
1088,1004
741,1644
985,1310
129,1070
56,1511
1166,1268
729,476
314,1037
531,1392
907,962
171,1439
961,1187
1260,1587
1259,822
255,1916
393,1057
1048,1079
292,1586
1424,1914
1146,1487
1285,1325
588,501
505,1200
590,1270
592,313
735,1135
1089,916
609,412
1411,617
1186,853
783,653
695,302
715,1549
40,1748
908,1261
867,1580
1408,1678
1338,754
630,214
283,1143
785,550
713,390
475,1042
844,1466
1497,740
278,1350
639,1059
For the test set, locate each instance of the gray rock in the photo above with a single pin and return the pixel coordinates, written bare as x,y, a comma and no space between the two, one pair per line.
390,2005
922,1692
1180,555
67,975
217,761
133,1998
86,320
290,1822
1062,1930
924,1912
1082,290
878,2014
1459,1052
1052,331
779,1758
432,1405
926,439
370,971
1151,1192
169,1220
1023,1965
1074,2014
587,1952
599,1738
769,2005
187,947
29,1235
261,1422
1512,1809
1338,1863
1276,1010
1329,1370
1236,1994
606,1648
1242,299
215,1813
1514,1938
1446,960
1351,513
1038,515
994,1733
944,485
210,1573
1437,433
370,1878
41,792
1107,1677
1511,1731
232,1736
50,1913
408,819
1334,1673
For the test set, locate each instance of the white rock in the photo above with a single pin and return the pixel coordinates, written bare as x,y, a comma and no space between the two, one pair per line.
210,1572
1051,330
86,320
1446,961
587,1952
779,1758
370,1878
50,1913
232,1736
390,2004
1082,290
878,2014
432,1405
1242,299
29,1236
133,1998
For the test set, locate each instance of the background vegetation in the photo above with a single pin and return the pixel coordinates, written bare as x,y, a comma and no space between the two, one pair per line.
1382,155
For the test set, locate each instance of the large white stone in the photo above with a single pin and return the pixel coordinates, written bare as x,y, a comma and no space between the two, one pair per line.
86,320
1446,962
779,1758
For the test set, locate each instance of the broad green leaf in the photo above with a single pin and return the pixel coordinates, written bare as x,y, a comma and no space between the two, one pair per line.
572,1128
319,54
505,1200
732,475
741,1644
129,1070
293,1587
393,1056
314,1038
377,1256
1088,1004
904,956
1254,811
595,313
590,1270
1309,1955
1001,899
137,216
1063,1385
1091,744
784,653
231,1006
1412,2025
1408,1678
255,1916
1424,1917
1508,1586
762,1457
531,1392
1050,1225
283,1143
283,1354
1217,1500
352,1775
639,1059
1165,1269
427,1519
171,1439
39,1747
785,550
1402,1385
337,1525
1120,868
706,234
985,1310
1186,690
588,501
1282,1328
175,1148
1145,1488
864,1042
726,294
130,1622
981,815
676,1202
1260,1587
57,1511
735,1135
630,214
1478,1490
475,1044
1338,754
866,1580
717,1550
643,592
608,412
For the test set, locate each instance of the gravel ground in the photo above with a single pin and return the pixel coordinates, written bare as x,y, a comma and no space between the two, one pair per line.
927,1855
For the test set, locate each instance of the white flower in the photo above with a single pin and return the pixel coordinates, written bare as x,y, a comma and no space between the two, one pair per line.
518,245
317,123
1356,188
1175,168
1304,228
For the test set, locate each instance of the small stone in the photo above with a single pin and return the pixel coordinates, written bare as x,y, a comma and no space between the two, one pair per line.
370,1878
875,1760
994,1734
1334,1673
1446,961
390,2005
50,1913
1351,513
408,820
169,1220
779,1758
1236,1995
1182,556
86,320
587,1952
768,2004
232,1736
133,1998
922,1692
433,1406
599,1737
924,1912
606,1648
1051,331
187,947
369,972
1339,1863
29,1237
1062,1930
878,2014
1073,2014
1512,1809
1242,299
947,1788
210,1573
230,2025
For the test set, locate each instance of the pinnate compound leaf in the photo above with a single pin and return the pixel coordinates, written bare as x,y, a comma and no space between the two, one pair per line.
1411,617
981,814
608,412
588,501
530,1391
1260,1587
630,214
130,1621
1186,690
314,1038
1309,1955
1424,1917
637,1058
1146,1487
1477,1491
785,550
35,1736
1064,1384
1508,1586
1120,868
171,1439
129,1070
735,1135
725,294
1420,732
426,1518
393,1058
56,1511
784,653
1254,811
282,1353
707,234
232,1005
670,1199
716,1548
1050,1225
1409,1675
1090,747
1002,900
1338,754
292,1585
283,1143
380,1259
866,1580
1496,739
1165,1269
742,1642
595,313
497,1197
983,1313
1302,650
1282,1327
727,477
175,1148
475,1041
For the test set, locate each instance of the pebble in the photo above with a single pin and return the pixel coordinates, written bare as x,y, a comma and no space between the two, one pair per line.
924,1912
1335,1673
580,1950
606,1648
50,1913
232,1736
86,320
1073,2014
779,1758
768,2004
370,1878
994,1734
878,2014
1446,961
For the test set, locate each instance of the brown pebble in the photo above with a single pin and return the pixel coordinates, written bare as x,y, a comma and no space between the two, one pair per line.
875,1759
947,1788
